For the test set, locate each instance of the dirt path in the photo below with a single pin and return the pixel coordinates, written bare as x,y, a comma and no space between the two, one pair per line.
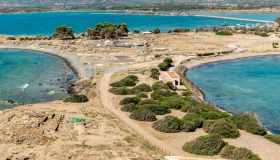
107,102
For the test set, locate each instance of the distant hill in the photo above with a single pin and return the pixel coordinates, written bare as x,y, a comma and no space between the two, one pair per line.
110,3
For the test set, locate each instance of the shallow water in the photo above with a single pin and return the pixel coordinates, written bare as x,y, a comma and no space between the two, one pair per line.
31,77
45,23
251,84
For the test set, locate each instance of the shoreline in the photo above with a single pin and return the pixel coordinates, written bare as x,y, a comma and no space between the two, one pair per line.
199,93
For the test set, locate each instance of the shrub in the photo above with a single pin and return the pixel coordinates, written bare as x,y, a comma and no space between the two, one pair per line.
77,99
224,33
159,85
142,88
121,91
273,138
174,102
194,118
64,33
186,93
128,81
223,127
188,126
212,115
142,114
156,108
181,30
128,100
166,64
129,107
156,31
205,145
249,123
234,153
155,73
149,101
142,95
169,124
162,93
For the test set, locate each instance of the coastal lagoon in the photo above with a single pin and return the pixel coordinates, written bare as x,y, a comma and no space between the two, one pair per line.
243,85
31,77
45,23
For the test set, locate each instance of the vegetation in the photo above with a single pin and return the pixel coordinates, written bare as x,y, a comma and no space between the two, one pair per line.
262,34
162,93
222,127
159,85
107,31
224,33
166,64
142,88
234,153
64,33
169,124
249,123
213,114
121,91
130,80
273,138
142,114
155,73
77,99
193,118
188,126
205,145
181,30
129,107
158,109
128,100
156,31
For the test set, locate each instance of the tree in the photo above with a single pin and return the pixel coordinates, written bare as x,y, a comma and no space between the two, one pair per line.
278,20
64,33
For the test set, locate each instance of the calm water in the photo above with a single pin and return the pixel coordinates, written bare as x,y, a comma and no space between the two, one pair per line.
30,77
251,84
45,23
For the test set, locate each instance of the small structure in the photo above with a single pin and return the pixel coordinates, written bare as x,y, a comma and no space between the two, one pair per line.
170,76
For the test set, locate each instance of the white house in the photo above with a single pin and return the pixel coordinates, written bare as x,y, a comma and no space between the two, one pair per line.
170,76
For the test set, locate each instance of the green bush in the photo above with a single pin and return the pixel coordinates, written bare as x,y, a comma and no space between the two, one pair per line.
142,95
194,118
143,115
77,99
142,88
190,109
64,33
249,123
212,115
121,91
224,33
149,101
129,107
174,102
188,126
162,93
156,31
205,145
155,73
273,138
156,108
186,93
128,100
234,153
223,127
169,124
159,85
128,81
166,64
181,30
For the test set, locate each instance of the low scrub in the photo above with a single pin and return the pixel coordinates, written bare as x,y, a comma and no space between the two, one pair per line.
222,127
169,124
249,123
142,88
128,100
155,73
129,81
188,126
205,145
213,115
273,138
156,108
234,153
166,64
77,99
129,107
121,91
224,33
194,118
174,102
143,115
159,85
162,93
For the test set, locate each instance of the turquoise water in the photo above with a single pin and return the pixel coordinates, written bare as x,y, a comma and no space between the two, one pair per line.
45,23
31,77
251,84
267,16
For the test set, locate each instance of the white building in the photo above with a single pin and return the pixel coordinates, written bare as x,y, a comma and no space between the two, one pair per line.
170,76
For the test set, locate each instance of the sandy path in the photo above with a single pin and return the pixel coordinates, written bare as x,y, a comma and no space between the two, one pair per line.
107,102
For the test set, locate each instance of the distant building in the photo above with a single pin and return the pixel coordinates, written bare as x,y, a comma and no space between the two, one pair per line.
170,76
